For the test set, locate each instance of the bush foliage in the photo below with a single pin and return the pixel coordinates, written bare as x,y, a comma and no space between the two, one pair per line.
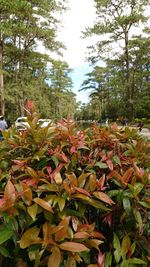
74,198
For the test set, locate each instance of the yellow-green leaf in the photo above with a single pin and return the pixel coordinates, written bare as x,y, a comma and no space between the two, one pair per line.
104,197
30,237
82,179
55,258
27,193
45,205
31,172
61,203
58,178
10,192
32,210
125,245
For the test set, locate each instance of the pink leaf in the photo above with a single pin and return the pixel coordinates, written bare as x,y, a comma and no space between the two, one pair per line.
101,259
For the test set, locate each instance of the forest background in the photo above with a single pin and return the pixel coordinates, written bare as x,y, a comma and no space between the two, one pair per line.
118,83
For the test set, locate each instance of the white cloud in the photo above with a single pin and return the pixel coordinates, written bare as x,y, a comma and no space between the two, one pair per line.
80,15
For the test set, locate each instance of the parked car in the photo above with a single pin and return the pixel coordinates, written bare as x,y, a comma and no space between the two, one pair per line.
44,122
21,123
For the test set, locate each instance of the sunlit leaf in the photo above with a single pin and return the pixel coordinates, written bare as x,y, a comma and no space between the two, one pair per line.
104,197
82,191
82,179
73,247
31,172
32,210
58,178
81,235
127,175
136,261
10,192
92,202
94,243
30,237
72,178
45,205
92,182
125,245
61,203
55,258
101,165
27,193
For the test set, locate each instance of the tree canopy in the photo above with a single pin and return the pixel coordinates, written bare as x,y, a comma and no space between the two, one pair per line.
121,27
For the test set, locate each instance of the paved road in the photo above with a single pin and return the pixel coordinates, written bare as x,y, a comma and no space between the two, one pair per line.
145,132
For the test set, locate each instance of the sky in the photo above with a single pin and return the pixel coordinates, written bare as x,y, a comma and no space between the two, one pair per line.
81,14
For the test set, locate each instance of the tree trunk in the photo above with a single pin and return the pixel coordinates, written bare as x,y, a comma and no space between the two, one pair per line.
2,99
129,87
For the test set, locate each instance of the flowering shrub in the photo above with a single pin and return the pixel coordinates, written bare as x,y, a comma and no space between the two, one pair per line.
74,198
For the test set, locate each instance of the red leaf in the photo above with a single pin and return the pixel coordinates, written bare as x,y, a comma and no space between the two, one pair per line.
29,104
108,219
73,247
127,175
101,183
75,223
19,162
83,191
101,258
2,201
64,157
110,164
73,149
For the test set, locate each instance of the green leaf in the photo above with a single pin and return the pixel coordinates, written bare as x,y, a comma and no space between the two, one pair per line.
136,261
95,203
127,205
116,244
145,204
125,245
101,165
124,263
108,259
116,159
55,160
4,252
138,218
5,234
138,188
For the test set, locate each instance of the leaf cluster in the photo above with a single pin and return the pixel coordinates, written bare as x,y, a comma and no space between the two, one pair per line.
70,197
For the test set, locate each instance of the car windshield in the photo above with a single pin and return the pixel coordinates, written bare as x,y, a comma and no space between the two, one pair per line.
22,120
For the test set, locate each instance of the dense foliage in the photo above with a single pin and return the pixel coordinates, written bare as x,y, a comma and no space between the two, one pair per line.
74,198
28,40
120,87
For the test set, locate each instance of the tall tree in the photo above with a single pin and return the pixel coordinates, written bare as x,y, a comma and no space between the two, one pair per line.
116,23
61,85
97,83
23,24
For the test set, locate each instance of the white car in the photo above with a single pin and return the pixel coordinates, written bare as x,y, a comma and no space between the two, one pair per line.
21,123
44,122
